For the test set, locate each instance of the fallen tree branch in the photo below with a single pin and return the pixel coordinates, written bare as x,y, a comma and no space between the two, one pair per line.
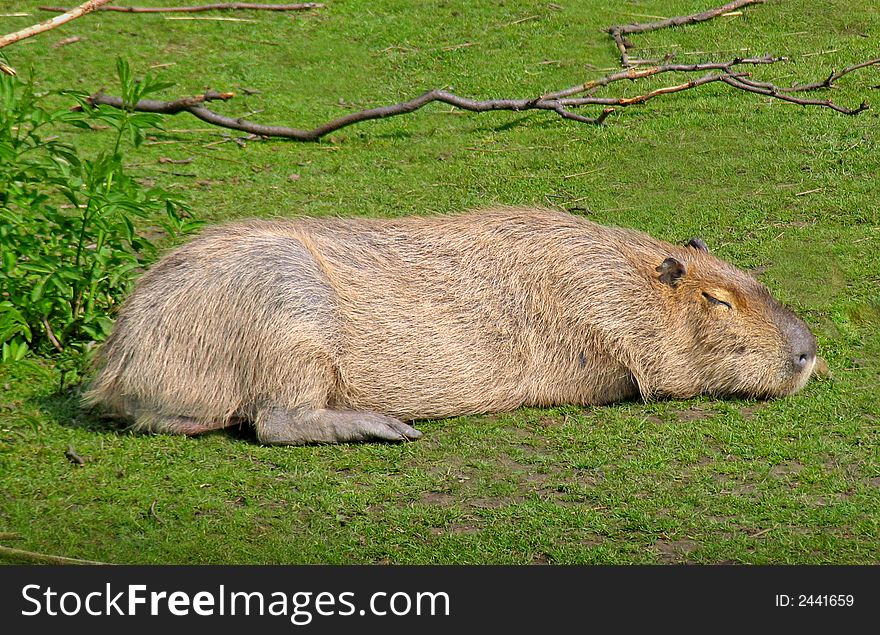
560,102
298,134
224,6
36,29
619,32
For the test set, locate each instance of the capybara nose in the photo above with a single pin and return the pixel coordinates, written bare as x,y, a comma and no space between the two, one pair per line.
803,346
804,359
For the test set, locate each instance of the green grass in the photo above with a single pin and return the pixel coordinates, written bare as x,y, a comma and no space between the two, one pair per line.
795,480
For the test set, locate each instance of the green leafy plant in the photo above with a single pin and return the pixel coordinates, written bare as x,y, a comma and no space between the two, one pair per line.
74,231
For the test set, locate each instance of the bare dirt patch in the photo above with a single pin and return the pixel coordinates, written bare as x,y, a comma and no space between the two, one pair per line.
786,469
737,488
695,413
823,501
593,541
512,465
487,502
534,482
455,529
745,489
437,498
551,422
675,550
748,412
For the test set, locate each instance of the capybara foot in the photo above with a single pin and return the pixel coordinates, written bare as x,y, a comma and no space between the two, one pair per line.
282,426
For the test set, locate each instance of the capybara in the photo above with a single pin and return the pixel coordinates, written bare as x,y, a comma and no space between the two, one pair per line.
332,330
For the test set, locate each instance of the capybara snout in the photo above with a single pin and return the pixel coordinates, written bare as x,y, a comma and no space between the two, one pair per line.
329,330
802,346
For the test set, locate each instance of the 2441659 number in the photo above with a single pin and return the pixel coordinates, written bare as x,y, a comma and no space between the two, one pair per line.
815,600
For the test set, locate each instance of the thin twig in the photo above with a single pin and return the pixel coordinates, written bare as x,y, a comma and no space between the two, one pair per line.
520,21
224,6
176,161
51,334
33,556
154,513
620,31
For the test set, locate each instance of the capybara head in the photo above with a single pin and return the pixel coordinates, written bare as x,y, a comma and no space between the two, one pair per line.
727,334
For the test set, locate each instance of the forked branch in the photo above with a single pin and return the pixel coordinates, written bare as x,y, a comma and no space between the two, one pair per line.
561,102
620,31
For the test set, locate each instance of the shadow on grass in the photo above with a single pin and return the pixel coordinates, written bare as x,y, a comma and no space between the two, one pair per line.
65,409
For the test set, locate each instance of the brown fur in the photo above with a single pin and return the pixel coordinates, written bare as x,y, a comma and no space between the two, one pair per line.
334,329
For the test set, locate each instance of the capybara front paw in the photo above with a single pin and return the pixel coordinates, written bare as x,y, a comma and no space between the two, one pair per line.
374,426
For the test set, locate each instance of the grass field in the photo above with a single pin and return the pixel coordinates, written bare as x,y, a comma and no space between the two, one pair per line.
788,189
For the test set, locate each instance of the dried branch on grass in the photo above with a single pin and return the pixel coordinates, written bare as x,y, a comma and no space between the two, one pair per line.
620,31
42,27
561,102
44,558
164,107
223,6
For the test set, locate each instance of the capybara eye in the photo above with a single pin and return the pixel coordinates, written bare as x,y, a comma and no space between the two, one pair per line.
715,301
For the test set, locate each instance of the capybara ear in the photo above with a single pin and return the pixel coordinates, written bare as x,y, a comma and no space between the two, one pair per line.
670,271
698,243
